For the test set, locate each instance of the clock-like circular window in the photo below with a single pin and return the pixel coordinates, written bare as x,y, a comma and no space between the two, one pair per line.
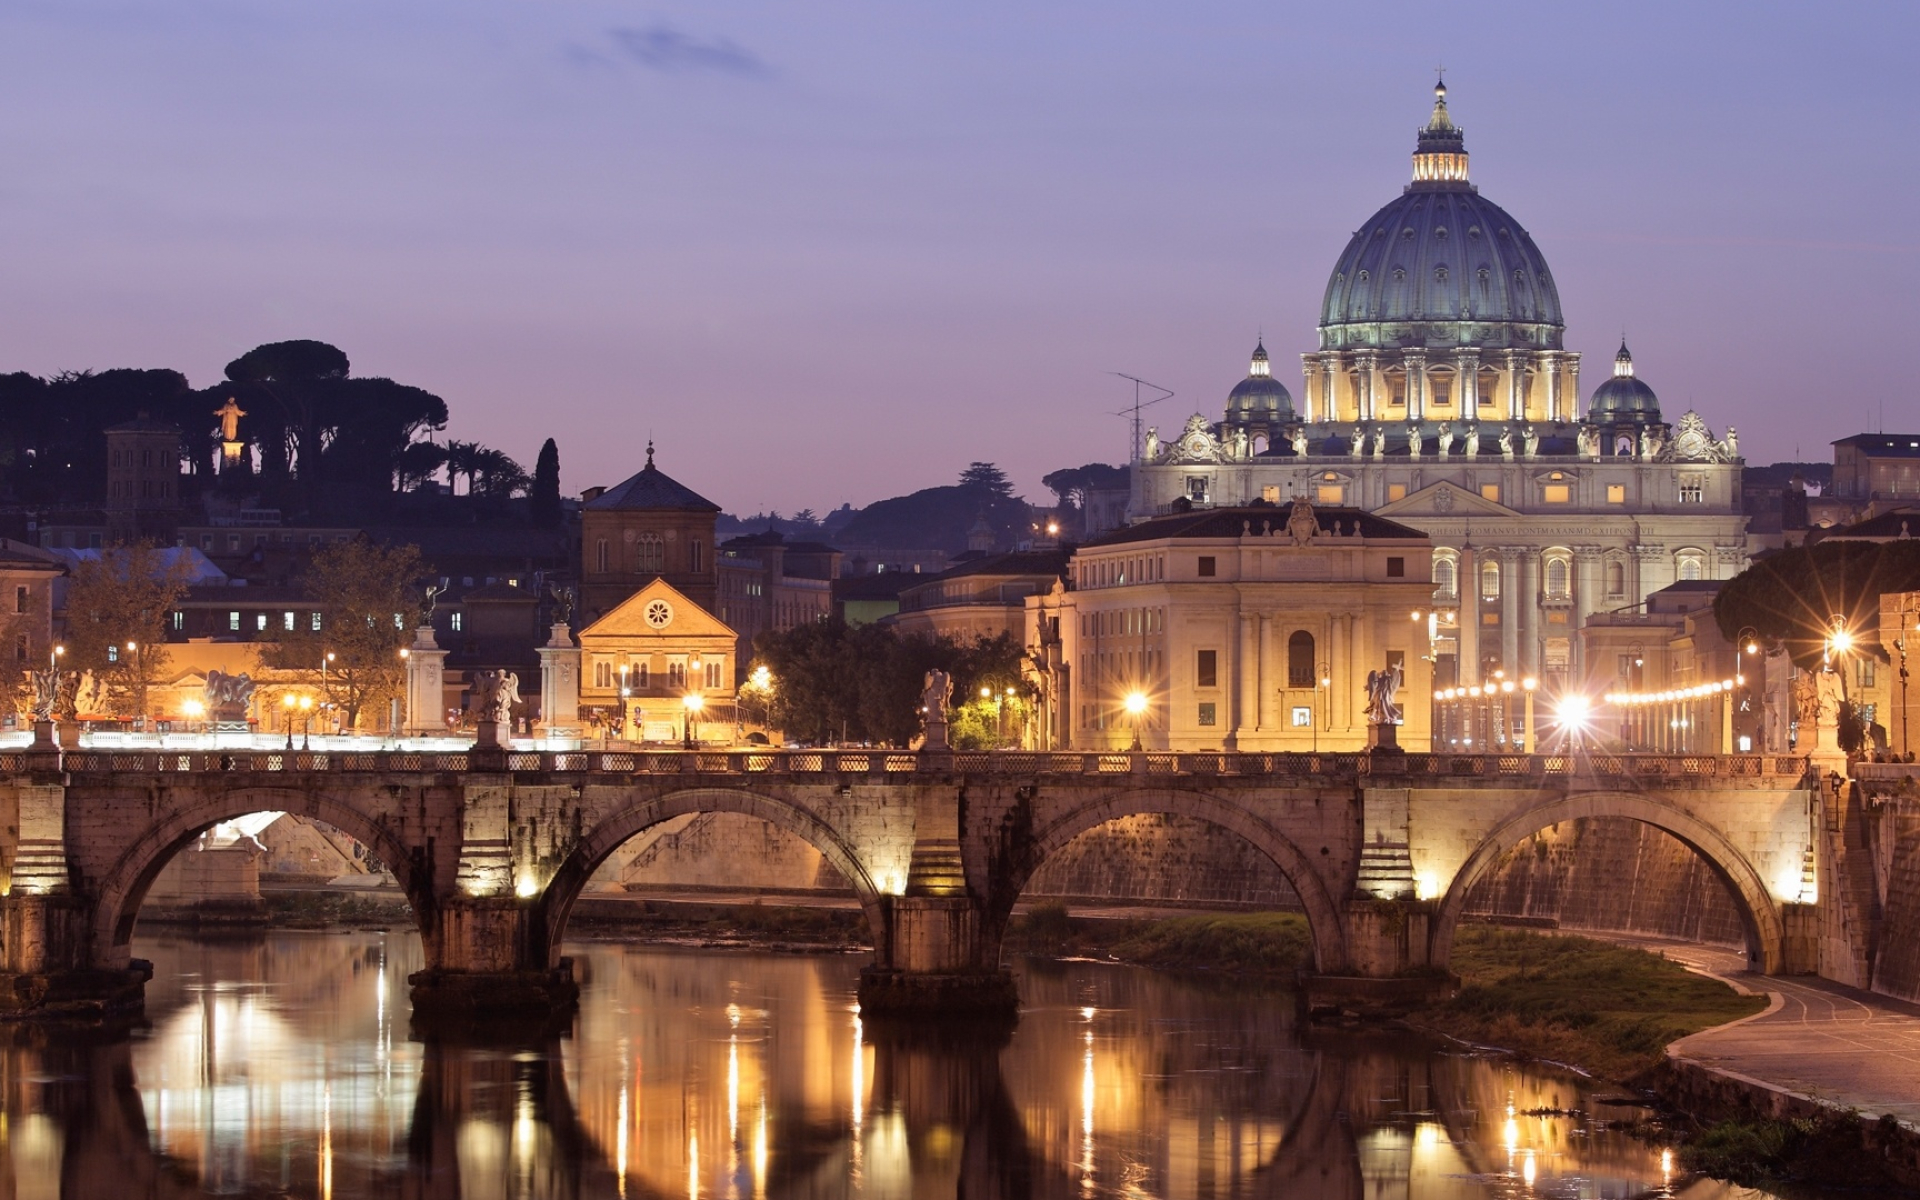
659,614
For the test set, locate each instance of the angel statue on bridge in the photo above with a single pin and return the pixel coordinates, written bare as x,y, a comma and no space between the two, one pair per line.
1383,706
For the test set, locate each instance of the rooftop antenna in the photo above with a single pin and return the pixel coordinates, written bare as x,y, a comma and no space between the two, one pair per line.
1133,410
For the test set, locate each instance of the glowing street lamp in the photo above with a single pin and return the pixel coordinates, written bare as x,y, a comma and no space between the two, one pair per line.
287,701
1137,710
694,702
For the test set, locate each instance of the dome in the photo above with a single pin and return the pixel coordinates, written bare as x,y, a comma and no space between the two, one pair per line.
1624,398
1441,253
1259,396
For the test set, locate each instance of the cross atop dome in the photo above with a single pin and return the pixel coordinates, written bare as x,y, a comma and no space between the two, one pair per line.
1440,155
1623,362
1261,365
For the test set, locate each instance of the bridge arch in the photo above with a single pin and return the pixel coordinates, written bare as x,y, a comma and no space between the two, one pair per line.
1323,915
124,887
570,879
1758,912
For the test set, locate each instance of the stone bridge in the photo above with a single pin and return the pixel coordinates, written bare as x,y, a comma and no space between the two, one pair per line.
494,847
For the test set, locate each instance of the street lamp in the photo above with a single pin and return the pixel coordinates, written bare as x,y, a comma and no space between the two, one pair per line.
287,701
326,693
139,685
306,723
694,702
1136,709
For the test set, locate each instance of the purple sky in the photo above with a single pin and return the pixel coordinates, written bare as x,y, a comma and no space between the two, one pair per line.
833,251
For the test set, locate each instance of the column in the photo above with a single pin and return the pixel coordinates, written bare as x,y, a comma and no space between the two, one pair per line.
1468,661
1552,364
559,683
426,697
1263,687
1416,365
1510,610
1571,363
1246,717
1310,366
1367,361
1530,613
1330,378
1516,385
1466,367
1586,581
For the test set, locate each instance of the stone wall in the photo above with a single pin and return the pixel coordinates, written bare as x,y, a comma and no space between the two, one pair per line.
1615,875
1895,824
718,850
226,875
1163,859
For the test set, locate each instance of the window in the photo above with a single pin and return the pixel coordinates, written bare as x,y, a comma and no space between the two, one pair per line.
19,599
600,555
260,622
20,648
1300,659
1396,567
178,620
1206,672
456,622
1396,491
1864,672
1197,487
713,673
1557,576
1616,578
676,675
1207,563
286,621
693,557
1270,493
1446,579
313,622
1302,716
1207,714
113,654
1489,581
1330,493
643,673
1692,565
649,554
1693,489
602,673
1442,393
1557,493
1616,493
1490,491
233,622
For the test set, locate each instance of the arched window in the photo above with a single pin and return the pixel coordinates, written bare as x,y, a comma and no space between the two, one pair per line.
1300,659
1446,577
649,554
1691,565
1557,578
1489,581
1616,578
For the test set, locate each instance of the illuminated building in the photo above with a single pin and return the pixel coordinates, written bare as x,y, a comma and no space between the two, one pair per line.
1442,396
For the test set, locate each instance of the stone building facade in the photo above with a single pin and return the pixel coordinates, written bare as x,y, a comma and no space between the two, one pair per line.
648,527
1442,397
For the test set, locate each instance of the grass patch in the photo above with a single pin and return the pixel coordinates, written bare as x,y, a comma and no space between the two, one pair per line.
1610,1010
329,910
1243,943
1825,1149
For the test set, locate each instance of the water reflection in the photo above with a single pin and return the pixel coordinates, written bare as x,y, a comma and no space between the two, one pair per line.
273,1068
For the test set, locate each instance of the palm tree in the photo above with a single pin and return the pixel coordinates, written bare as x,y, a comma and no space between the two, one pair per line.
463,458
499,474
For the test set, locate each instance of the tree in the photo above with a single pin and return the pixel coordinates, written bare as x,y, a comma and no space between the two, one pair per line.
500,476
985,478
117,608
543,499
832,682
1792,597
1070,485
368,598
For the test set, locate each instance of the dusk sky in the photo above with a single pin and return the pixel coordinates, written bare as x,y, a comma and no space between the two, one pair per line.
831,252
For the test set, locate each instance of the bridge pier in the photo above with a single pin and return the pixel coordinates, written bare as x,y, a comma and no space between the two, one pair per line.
485,967
1389,966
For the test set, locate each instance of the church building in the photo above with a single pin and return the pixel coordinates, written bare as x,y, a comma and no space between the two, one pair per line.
1443,398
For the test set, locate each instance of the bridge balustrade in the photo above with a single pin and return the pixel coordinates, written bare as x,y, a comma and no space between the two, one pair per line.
1669,768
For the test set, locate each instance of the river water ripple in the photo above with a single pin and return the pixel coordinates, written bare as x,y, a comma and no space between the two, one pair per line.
282,1066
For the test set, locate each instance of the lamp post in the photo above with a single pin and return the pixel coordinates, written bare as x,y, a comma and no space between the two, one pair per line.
287,701
1323,674
694,702
139,686
326,692
1137,711
306,723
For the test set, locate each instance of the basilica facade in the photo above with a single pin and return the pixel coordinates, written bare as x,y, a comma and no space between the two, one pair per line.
1442,397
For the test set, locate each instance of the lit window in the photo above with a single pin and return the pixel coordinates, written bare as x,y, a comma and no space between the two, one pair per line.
233,622
113,654
1490,491
1557,578
1693,489
1489,581
1557,493
1444,578
313,622
1396,491
456,622
1207,714
1269,493
1330,493
1616,493
1302,716
286,621
260,622
179,620
1693,566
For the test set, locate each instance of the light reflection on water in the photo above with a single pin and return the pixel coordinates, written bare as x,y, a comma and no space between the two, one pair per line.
282,1066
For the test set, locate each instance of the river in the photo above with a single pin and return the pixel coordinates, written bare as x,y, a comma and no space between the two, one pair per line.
282,1066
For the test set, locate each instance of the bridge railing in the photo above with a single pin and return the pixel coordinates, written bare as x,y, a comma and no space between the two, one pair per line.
1623,768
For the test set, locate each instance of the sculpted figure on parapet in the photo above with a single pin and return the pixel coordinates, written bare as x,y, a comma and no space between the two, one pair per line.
228,696
46,694
494,695
1383,687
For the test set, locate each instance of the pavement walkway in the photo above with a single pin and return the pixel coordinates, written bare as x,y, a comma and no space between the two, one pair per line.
1835,1044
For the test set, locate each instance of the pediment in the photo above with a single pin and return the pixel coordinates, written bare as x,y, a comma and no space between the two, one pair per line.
1444,499
639,615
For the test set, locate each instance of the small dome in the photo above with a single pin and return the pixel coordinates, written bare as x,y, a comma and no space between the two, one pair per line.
1624,397
1259,396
